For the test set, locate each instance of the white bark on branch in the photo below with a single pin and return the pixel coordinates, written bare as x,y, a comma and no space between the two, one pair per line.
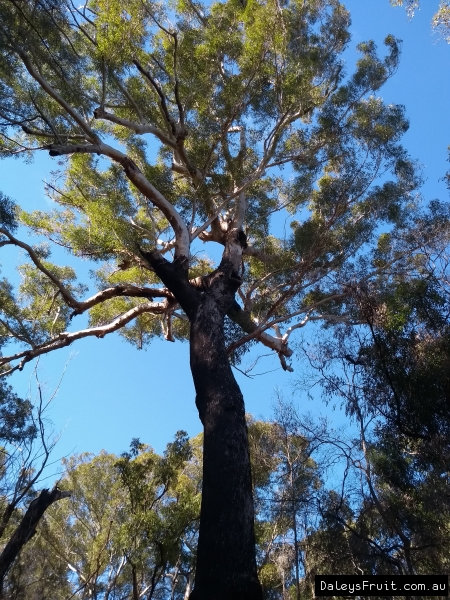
136,177
132,291
235,244
81,307
67,338
138,128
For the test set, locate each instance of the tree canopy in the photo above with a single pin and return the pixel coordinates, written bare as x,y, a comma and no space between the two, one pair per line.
185,135
228,114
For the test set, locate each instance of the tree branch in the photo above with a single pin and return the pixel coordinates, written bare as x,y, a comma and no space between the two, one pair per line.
65,339
131,291
69,299
54,94
244,320
135,175
140,129
27,528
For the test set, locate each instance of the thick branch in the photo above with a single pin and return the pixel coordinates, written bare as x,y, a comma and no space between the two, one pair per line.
244,320
27,528
174,276
236,241
258,331
132,291
135,175
178,130
258,254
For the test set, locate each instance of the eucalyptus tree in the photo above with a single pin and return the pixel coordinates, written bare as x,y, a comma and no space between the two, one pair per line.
394,380
441,19
129,527
186,124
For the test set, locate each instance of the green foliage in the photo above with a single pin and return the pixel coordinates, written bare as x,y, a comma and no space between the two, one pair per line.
16,423
440,21
230,95
128,521
7,213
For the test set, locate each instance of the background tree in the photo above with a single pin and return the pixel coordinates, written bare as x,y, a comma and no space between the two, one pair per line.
394,380
229,107
441,20
24,453
130,527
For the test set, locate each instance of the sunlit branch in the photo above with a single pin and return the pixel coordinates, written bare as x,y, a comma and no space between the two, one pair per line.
55,95
138,128
135,175
66,338
131,291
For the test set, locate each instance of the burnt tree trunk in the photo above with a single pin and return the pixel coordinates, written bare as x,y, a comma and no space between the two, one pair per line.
226,563
27,528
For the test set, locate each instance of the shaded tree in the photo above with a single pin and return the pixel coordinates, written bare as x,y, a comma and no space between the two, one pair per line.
394,381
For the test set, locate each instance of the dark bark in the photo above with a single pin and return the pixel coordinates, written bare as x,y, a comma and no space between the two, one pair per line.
27,528
226,563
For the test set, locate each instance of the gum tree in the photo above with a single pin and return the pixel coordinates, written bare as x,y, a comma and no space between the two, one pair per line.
441,19
187,124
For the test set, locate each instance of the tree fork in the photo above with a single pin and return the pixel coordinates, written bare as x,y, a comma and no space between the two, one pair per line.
226,562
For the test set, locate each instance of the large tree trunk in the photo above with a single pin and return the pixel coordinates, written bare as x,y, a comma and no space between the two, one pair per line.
226,563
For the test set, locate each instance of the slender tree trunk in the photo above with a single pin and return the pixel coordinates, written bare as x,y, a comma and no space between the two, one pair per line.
226,562
135,582
189,582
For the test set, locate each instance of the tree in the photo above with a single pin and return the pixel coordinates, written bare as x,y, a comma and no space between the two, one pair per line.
24,452
130,527
286,482
441,20
229,107
394,380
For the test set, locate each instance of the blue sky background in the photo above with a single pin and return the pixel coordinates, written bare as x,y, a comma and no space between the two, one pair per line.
111,392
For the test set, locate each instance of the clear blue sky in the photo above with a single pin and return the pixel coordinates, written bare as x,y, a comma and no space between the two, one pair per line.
112,392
